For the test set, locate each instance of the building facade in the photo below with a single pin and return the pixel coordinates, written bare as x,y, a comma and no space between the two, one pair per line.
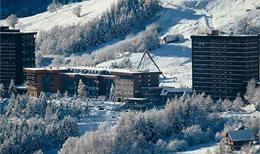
127,84
130,84
16,52
222,65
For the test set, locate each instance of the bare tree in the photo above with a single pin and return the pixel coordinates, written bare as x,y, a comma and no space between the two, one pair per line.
82,89
237,104
2,90
250,91
256,98
54,6
12,20
76,11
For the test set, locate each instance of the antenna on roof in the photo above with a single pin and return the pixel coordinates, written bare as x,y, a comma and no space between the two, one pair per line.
142,59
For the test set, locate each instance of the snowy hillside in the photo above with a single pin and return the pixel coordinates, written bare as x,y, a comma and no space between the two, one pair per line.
189,17
185,17
193,15
179,16
64,16
192,124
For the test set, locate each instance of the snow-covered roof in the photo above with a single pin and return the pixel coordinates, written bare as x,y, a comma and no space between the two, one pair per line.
97,70
113,70
88,74
224,35
46,68
137,99
21,87
170,37
241,135
167,90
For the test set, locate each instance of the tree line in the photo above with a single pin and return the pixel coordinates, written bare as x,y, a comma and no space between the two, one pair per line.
183,122
123,18
31,124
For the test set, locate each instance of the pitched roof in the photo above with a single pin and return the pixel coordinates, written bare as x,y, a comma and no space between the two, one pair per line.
241,135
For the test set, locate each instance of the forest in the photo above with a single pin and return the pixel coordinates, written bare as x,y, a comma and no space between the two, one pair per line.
123,18
51,121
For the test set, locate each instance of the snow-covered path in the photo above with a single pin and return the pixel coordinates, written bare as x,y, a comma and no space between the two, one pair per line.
200,149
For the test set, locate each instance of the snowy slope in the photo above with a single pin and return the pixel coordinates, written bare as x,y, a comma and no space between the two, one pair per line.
64,16
190,17
218,14
178,16
173,60
186,17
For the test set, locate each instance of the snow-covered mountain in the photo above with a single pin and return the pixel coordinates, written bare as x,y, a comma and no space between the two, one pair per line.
64,16
186,17
179,16
218,14
189,17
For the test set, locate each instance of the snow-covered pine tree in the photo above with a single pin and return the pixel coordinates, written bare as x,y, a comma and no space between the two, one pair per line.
12,20
54,6
227,104
2,90
237,104
58,95
82,89
112,94
250,91
12,88
256,98
76,11
42,104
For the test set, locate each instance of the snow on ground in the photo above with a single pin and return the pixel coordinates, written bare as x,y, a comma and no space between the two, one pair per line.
186,17
100,111
190,17
201,149
211,147
241,115
178,16
64,16
174,61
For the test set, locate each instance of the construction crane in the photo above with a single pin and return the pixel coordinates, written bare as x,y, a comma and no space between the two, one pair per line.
142,59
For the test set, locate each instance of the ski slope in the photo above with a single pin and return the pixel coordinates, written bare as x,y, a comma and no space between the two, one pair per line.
193,15
190,17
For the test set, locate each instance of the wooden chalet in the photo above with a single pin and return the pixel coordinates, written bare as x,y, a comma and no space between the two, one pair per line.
237,138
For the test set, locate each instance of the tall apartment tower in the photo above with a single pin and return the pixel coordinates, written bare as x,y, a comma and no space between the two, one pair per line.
222,65
16,52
